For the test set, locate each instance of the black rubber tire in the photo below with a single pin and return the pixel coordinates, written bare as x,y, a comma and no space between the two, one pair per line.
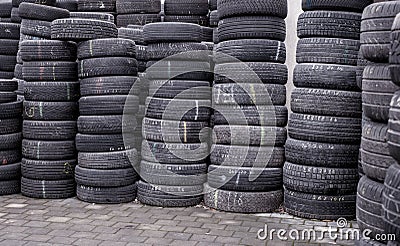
378,90
12,125
227,8
10,110
6,74
180,89
320,180
96,6
390,201
394,127
159,51
115,85
132,34
320,207
5,7
169,196
105,177
70,5
249,94
326,76
173,175
110,66
247,27
322,154
138,6
186,7
250,115
50,71
251,50
362,62
365,242
47,50
45,189
266,72
9,31
10,141
343,5
247,156
171,32
214,18
10,171
82,29
8,85
49,130
158,152
48,170
48,150
108,47
16,3
105,124
52,91
15,15
41,12
326,102
369,206
7,97
8,47
326,129
168,69
50,110
244,178
100,143
36,28
106,195
109,160
9,157
201,20
243,202
94,16
125,20
110,105
9,187
330,24
7,63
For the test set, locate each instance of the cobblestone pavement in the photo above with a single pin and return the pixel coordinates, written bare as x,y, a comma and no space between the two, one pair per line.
27,221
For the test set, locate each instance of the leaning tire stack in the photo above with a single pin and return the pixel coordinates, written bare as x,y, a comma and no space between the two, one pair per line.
321,170
249,113
192,11
175,145
378,91
138,12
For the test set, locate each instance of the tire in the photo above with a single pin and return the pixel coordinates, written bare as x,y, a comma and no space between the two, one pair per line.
41,12
180,89
47,50
186,7
96,6
16,3
7,97
369,206
15,18
10,110
109,160
175,131
36,28
320,207
248,27
254,50
252,135
94,16
70,5
10,172
351,6
378,90
170,32
113,47
361,64
115,85
48,150
125,20
50,110
105,177
247,156
250,115
182,196
50,71
10,141
5,7
249,94
214,18
132,34
110,105
48,170
159,51
365,242
174,153
82,29
7,63
201,20
329,24
394,55
9,31
8,85
227,8
8,47
100,143
138,6
325,129
320,180
243,202
49,130
106,195
394,128
245,178
390,201
326,102
268,73
9,187
173,175
8,126
9,157
168,69
110,124
110,66
52,91
45,189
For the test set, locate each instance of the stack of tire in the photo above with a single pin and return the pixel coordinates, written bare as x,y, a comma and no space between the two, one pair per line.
15,16
9,39
378,91
249,97
175,133
5,11
51,92
322,152
138,12
194,11
10,138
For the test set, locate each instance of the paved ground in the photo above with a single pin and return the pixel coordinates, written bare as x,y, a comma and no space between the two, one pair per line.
25,221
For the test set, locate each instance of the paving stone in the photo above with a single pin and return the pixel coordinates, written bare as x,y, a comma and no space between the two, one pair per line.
84,234
153,234
158,241
62,240
183,243
11,242
87,242
227,240
178,236
58,219
203,238
16,205
38,238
